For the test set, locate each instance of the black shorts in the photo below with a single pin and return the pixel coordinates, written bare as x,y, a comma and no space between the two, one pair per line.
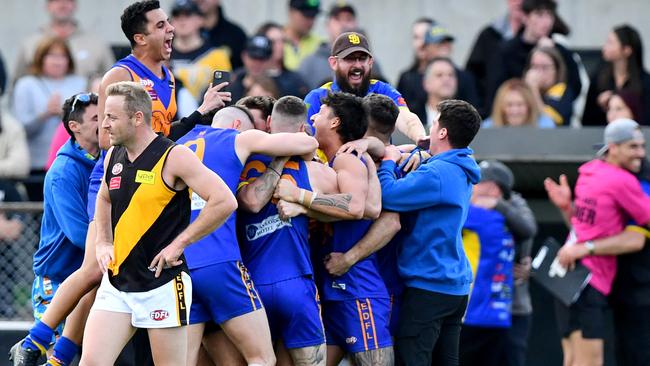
587,315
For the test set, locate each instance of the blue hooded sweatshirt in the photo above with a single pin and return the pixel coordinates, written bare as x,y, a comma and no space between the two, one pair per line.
437,196
65,220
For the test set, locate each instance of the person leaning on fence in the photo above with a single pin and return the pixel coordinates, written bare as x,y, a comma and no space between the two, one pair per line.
65,223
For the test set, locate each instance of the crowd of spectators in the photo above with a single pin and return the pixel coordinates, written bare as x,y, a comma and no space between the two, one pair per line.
519,73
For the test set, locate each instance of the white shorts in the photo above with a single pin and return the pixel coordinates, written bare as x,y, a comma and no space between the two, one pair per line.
167,306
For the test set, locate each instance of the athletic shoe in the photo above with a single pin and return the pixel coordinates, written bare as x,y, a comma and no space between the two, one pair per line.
23,356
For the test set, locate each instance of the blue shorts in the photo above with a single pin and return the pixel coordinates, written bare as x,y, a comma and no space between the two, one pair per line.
221,292
293,309
43,290
357,325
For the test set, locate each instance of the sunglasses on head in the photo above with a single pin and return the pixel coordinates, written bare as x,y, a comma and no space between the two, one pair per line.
83,98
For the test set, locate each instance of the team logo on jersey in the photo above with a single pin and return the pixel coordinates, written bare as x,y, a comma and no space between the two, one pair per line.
351,340
152,94
117,169
266,227
159,315
145,177
115,183
339,285
146,83
354,38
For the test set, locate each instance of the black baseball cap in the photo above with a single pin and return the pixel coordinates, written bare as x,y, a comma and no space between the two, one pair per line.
308,8
341,7
259,48
185,8
350,42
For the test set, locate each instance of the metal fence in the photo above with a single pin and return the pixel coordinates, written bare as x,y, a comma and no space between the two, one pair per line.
16,258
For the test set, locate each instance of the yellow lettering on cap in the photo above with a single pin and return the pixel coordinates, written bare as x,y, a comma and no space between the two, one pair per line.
354,38
144,177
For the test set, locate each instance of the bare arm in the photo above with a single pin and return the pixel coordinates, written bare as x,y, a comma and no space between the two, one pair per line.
352,179
629,240
277,144
560,196
372,209
104,231
184,167
410,125
380,233
253,196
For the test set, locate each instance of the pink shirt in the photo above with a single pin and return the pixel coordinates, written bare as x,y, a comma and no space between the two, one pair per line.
59,139
606,198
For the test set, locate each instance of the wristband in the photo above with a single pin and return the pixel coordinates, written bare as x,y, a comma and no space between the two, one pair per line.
591,247
301,199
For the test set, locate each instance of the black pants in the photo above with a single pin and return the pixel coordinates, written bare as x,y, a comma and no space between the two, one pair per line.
517,341
429,328
632,325
482,346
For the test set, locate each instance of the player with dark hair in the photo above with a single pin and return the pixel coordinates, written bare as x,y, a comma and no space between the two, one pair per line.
433,265
63,232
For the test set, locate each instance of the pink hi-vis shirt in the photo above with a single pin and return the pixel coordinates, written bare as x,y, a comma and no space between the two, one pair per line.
606,198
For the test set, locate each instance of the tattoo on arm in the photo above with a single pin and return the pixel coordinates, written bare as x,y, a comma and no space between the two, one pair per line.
264,191
340,201
380,357
309,356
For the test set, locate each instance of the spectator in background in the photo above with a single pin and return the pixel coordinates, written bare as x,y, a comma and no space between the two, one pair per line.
546,76
91,54
515,106
490,39
300,42
489,246
260,108
262,85
193,60
315,69
438,42
623,70
623,104
14,153
256,55
288,82
440,83
37,101
410,80
221,32
511,58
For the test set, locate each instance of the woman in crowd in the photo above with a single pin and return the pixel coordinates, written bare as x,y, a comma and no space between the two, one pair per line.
37,101
515,106
622,71
545,74
262,86
624,104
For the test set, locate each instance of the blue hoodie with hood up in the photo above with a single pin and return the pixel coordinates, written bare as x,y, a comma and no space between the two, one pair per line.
65,219
436,196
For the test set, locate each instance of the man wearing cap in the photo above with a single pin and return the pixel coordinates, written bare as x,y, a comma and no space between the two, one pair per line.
300,41
607,195
257,52
193,60
315,69
438,42
499,223
352,61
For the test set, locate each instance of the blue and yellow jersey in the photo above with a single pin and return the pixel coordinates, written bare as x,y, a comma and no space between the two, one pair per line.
216,148
274,250
162,92
490,250
313,99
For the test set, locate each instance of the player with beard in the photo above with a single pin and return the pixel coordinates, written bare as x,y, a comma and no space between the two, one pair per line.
352,62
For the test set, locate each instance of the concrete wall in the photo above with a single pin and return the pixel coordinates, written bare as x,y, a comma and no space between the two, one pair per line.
386,21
